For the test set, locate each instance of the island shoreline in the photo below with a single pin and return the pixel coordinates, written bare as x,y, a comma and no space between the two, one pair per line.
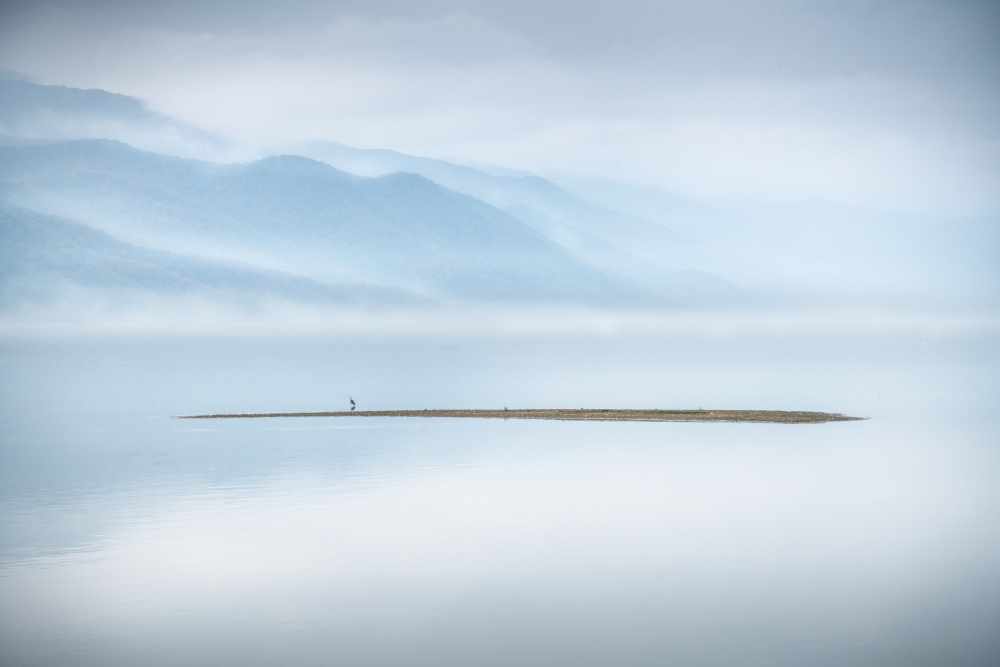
581,414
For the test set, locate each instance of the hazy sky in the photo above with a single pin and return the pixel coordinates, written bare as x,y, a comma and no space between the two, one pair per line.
884,104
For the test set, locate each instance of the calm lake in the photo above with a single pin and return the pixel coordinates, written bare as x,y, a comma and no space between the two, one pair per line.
129,538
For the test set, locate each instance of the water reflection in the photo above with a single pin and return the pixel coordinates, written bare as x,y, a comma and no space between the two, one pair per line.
130,539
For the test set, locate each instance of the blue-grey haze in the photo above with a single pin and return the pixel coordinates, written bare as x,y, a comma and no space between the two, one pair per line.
249,206
297,214
521,239
887,106
514,237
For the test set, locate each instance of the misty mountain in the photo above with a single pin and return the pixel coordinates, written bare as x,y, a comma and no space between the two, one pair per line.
44,258
623,257
600,244
299,216
32,111
647,253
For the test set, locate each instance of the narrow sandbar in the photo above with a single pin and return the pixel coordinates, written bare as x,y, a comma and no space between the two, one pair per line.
582,414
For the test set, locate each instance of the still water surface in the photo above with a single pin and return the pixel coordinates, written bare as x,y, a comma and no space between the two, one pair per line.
129,538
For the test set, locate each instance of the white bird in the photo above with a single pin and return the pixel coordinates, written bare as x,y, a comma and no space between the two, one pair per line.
352,403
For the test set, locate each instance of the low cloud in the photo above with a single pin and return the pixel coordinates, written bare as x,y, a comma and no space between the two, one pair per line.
890,106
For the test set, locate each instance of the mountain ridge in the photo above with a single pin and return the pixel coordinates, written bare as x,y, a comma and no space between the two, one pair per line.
399,230
31,110
41,257
522,238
